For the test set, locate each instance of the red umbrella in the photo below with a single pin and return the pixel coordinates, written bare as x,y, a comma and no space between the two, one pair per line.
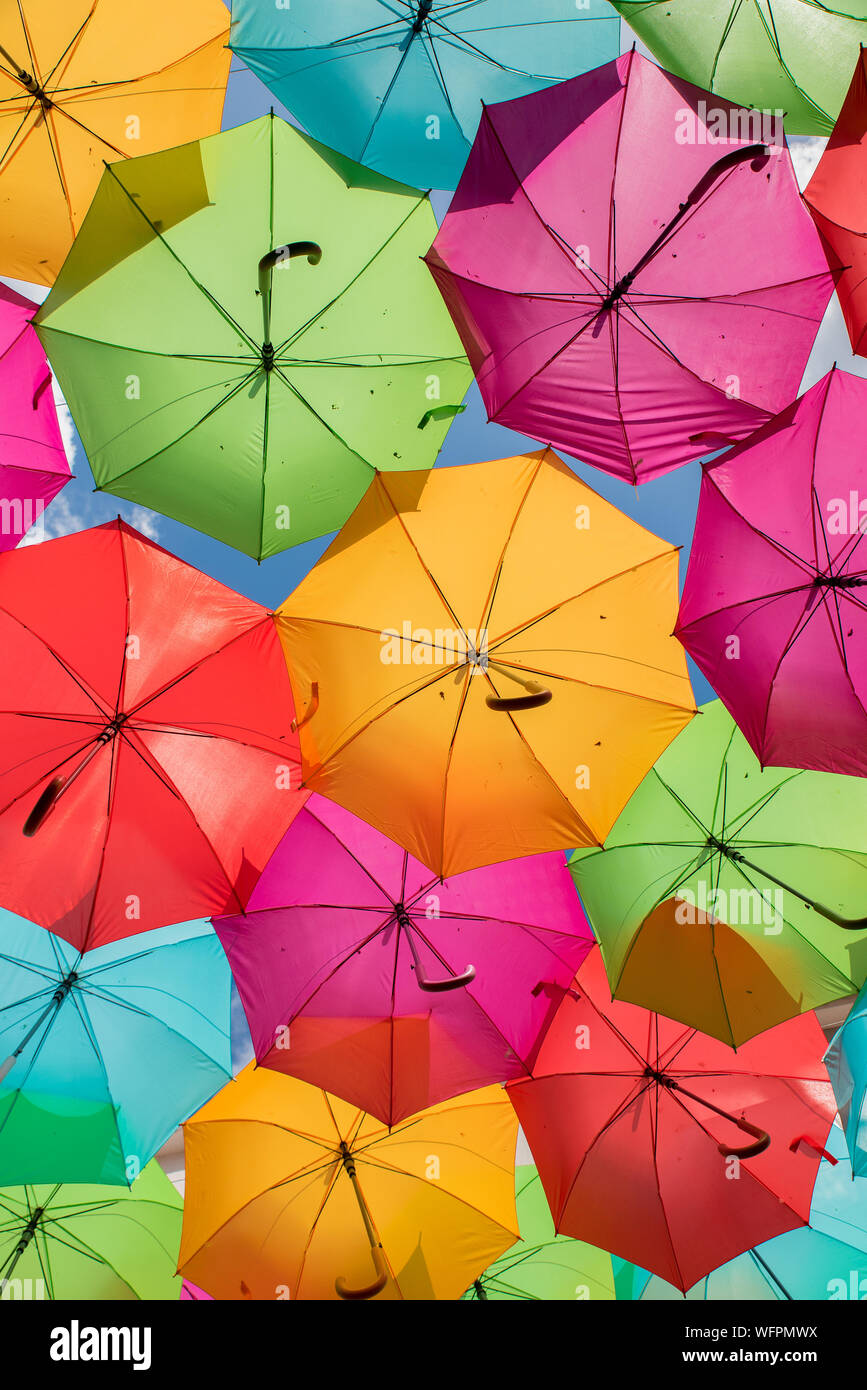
665,1146
148,768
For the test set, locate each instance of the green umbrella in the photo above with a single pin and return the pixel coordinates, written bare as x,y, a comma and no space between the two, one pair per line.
244,333
792,56
727,897
543,1265
74,1241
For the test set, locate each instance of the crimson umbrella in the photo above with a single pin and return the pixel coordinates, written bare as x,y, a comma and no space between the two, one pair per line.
774,609
631,268
148,768
664,1146
363,972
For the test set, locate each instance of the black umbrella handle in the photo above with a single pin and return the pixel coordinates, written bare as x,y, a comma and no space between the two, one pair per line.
761,1136
310,249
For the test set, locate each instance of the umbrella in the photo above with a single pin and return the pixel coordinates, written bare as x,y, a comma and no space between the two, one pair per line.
543,1265
722,893
397,85
839,1206
33,463
837,199
104,1053
193,1294
637,1127
773,610
787,56
82,83
292,1193
484,662
846,1061
75,1241
685,268
144,738
362,972
259,303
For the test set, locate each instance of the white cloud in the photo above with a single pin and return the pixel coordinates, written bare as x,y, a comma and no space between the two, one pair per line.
144,521
806,151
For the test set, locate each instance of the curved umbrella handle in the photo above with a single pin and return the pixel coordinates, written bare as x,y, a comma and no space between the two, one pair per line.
310,249
310,711
450,982
43,806
370,1290
536,697
762,1138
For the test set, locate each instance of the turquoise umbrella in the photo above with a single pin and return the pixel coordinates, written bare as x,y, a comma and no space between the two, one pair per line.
102,1055
846,1061
396,84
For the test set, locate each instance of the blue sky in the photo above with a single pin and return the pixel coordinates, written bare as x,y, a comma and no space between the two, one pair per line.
666,506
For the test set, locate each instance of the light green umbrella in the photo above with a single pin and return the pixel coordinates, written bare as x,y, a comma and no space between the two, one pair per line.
73,1241
543,1265
728,897
795,56
244,332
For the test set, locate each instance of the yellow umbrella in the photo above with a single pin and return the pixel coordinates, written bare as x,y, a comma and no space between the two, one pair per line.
293,1193
484,661
86,82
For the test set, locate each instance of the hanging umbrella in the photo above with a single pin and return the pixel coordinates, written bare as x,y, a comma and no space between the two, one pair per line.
259,302
144,738
839,1206
664,1146
837,197
397,85
102,1055
723,893
773,610
543,1265
590,295
33,462
846,1061
292,1193
789,56
193,1294
84,83
362,972
73,1241
484,662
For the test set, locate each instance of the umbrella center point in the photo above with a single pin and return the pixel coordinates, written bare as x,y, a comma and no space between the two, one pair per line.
660,1078
268,357
722,848
112,728
838,581
424,10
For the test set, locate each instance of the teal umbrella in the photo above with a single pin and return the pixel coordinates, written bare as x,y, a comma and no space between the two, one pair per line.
846,1061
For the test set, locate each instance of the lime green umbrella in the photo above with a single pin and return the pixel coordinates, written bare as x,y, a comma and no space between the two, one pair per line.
244,332
728,897
74,1241
543,1265
792,56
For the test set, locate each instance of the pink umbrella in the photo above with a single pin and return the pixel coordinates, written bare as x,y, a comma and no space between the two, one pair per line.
774,609
362,972
631,268
194,1293
33,464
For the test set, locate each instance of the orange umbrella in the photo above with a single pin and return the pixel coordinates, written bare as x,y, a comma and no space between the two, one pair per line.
292,1193
484,663
86,82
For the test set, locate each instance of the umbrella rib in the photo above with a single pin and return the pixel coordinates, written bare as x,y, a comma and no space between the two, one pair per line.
777,48
488,606
807,940
398,515
315,413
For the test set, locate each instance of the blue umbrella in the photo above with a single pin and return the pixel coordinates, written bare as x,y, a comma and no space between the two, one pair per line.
102,1055
846,1061
395,84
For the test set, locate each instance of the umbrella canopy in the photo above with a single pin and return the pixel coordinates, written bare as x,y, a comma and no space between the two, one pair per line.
837,197
33,462
362,972
292,1193
773,609
82,84
788,56
104,1055
839,1206
259,302
193,1294
74,1241
144,738
635,1125
846,1061
543,1265
585,316
484,661
397,86
723,893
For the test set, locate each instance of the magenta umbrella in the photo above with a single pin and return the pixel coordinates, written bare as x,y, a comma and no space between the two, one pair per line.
33,463
774,609
363,973
631,268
